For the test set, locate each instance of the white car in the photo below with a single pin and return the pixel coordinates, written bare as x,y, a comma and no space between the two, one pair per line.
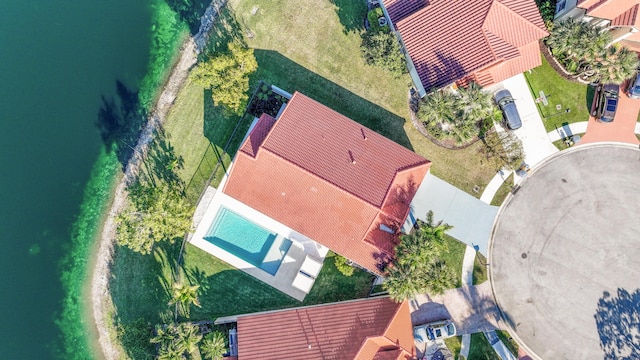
434,331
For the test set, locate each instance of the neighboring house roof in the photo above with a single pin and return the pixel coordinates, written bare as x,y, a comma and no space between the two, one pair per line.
328,178
366,329
607,9
449,40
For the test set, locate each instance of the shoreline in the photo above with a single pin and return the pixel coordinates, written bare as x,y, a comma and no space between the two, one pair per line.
101,304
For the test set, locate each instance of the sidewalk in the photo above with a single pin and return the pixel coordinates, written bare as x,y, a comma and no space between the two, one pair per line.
568,130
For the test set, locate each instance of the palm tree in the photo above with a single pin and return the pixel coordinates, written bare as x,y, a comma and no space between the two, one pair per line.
437,109
188,338
213,346
616,64
417,267
184,295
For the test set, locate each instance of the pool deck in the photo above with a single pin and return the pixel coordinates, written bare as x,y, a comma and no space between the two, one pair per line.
301,246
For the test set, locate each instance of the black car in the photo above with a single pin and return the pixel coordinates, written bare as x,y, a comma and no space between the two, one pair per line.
607,102
508,106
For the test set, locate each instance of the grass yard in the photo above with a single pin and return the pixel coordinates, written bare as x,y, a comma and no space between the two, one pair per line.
454,344
572,95
453,258
508,341
225,290
503,191
480,269
480,349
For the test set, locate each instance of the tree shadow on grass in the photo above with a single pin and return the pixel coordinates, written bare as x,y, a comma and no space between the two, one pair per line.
351,14
161,162
140,287
618,324
276,69
226,30
120,121
227,291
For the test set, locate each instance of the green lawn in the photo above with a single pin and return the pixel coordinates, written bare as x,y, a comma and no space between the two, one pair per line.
225,290
453,258
454,345
508,341
570,95
479,269
503,191
480,349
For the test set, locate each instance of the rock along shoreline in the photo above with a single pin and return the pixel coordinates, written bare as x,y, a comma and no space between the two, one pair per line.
101,302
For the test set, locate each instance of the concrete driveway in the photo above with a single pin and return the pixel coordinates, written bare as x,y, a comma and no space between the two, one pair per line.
471,218
535,142
471,308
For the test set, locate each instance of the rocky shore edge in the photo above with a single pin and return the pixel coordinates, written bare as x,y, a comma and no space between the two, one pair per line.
101,301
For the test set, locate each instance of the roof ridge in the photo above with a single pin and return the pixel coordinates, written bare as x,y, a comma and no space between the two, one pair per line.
523,21
324,179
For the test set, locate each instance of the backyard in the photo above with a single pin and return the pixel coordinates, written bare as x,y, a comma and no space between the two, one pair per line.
319,56
574,96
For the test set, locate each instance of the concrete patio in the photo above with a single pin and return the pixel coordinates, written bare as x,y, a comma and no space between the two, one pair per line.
289,271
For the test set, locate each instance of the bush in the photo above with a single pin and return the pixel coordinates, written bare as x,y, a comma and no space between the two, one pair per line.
383,49
342,266
547,10
373,16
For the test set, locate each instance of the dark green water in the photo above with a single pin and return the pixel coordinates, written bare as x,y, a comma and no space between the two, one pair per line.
59,60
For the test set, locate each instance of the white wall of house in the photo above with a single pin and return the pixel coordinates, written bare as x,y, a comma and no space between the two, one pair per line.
566,9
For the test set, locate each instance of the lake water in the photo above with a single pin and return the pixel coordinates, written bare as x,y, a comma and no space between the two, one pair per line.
59,62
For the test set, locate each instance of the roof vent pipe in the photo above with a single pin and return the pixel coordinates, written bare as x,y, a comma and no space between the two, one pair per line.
364,136
353,160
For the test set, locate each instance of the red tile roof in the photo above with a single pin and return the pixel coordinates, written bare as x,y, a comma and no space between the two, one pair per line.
607,9
449,40
365,329
329,178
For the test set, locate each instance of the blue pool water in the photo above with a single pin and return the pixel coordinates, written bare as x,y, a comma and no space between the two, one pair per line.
248,241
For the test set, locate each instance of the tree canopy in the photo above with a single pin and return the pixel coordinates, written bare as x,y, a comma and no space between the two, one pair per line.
183,296
227,75
382,49
503,150
586,51
153,214
417,267
461,115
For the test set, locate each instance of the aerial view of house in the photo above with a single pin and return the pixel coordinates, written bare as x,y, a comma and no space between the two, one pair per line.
457,42
386,179
311,180
619,16
366,329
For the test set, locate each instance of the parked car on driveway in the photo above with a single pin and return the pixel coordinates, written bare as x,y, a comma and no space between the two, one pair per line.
634,88
435,330
607,102
508,106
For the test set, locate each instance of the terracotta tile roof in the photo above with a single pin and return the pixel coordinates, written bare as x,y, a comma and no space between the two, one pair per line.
366,329
303,175
400,9
628,18
448,40
257,135
607,9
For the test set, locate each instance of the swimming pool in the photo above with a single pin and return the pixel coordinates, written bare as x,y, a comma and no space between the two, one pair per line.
248,241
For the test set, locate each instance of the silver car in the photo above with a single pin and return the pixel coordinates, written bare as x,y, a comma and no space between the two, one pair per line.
434,331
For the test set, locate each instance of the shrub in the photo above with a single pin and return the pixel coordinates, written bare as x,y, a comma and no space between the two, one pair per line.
373,16
342,266
383,49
